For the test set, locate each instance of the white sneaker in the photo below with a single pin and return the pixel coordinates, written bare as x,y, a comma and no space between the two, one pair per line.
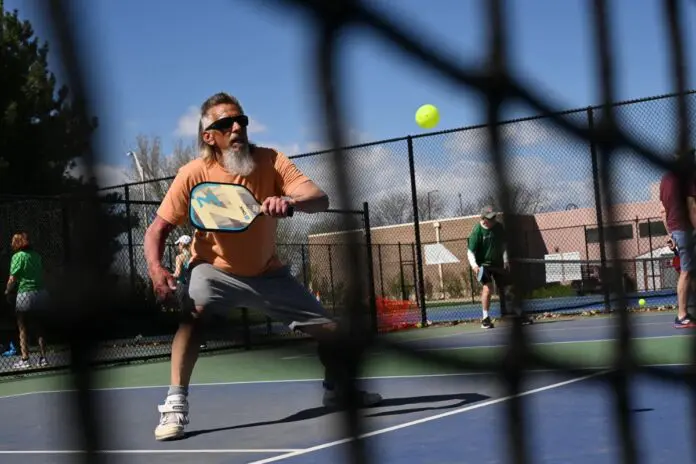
22,364
173,418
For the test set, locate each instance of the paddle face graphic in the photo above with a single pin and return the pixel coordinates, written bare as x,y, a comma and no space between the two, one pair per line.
221,207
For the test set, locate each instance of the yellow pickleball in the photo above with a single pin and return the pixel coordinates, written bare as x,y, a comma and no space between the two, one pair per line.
427,116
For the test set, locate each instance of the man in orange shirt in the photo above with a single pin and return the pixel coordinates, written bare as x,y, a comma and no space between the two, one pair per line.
229,270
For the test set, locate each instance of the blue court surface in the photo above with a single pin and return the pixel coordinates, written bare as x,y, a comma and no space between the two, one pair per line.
564,305
437,418
557,305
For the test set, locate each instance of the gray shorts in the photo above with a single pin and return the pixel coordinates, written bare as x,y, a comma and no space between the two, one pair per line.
277,294
34,300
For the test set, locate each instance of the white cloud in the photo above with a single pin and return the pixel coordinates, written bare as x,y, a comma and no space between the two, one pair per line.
370,170
451,165
288,149
107,174
187,125
255,127
517,134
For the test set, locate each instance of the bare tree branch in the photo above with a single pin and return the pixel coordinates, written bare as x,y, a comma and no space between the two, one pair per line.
155,164
397,208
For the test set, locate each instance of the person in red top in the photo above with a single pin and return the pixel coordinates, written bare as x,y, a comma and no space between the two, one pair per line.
227,271
680,227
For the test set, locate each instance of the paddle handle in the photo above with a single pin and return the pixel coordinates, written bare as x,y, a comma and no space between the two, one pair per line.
291,210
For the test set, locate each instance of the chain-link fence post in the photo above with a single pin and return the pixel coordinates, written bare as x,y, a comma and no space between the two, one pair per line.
65,216
370,269
131,257
303,256
401,274
419,284
652,253
606,290
381,270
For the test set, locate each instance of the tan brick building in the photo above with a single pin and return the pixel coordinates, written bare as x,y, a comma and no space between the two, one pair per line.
637,226
393,257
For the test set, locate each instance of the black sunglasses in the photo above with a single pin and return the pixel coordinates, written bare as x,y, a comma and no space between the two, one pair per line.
225,124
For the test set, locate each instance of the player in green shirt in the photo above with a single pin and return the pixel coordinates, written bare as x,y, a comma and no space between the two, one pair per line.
26,279
487,253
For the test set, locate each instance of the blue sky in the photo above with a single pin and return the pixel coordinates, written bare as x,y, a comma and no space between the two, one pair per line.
155,60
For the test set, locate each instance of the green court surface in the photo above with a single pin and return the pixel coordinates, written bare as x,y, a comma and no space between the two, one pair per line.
585,341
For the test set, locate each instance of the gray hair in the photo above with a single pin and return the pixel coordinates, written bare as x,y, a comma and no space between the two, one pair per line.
208,153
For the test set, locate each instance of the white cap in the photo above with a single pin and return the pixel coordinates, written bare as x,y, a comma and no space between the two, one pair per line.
184,239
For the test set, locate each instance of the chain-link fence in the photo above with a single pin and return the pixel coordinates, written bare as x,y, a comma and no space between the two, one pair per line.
555,195
424,269
47,222
574,208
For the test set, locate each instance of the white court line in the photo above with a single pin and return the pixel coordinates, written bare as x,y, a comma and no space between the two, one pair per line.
566,342
489,334
472,407
386,377
155,451
464,348
288,452
282,381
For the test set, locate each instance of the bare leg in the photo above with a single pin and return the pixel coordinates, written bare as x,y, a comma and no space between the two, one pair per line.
328,350
42,346
185,350
23,346
682,293
340,365
486,299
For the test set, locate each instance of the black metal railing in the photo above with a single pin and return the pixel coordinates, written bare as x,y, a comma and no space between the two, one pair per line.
147,333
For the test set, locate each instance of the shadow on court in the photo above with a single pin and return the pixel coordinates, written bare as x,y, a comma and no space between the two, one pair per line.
463,399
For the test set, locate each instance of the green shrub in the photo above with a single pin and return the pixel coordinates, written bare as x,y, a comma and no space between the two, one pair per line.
554,290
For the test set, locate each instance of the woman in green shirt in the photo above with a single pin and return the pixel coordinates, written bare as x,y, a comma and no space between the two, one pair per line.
26,279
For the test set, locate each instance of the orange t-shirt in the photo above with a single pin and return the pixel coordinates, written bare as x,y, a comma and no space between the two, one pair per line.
248,253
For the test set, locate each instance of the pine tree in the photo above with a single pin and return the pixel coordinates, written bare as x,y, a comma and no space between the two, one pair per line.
40,133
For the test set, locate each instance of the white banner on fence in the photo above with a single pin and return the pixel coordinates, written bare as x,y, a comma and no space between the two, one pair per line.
563,272
437,253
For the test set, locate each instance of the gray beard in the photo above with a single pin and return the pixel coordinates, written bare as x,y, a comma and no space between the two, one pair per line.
239,162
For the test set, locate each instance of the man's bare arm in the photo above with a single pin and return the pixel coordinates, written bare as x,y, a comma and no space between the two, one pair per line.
154,242
691,210
309,198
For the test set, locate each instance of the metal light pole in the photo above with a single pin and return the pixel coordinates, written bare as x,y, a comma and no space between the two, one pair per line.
439,265
139,167
428,195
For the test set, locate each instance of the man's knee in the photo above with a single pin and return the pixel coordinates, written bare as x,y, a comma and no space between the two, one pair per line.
191,315
204,290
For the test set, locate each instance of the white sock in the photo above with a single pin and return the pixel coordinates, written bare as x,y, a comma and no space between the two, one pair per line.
485,313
